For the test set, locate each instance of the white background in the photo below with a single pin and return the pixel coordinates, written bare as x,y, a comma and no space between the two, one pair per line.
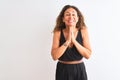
26,37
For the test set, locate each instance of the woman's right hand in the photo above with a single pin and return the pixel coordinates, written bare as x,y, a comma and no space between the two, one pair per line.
69,37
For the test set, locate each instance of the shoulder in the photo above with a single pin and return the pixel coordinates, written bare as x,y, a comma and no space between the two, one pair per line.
57,34
84,32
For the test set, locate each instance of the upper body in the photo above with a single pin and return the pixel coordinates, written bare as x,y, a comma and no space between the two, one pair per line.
70,22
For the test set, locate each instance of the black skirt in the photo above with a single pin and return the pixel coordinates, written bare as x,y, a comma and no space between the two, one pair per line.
71,71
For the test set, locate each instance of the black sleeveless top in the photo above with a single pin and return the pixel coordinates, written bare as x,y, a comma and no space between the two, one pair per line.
71,53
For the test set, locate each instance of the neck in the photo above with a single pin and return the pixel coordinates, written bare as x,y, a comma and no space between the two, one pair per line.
70,27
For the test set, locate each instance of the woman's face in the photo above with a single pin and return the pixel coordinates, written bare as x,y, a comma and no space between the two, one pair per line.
70,17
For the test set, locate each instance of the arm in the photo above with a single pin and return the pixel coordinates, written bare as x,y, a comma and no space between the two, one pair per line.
57,51
85,49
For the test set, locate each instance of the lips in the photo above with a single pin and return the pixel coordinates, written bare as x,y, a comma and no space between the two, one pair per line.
70,21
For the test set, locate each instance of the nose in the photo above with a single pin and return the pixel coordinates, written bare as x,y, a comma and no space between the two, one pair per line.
70,17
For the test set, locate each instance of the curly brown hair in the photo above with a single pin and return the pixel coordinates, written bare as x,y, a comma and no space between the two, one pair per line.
59,21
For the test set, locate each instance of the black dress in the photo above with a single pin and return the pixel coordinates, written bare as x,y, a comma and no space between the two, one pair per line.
71,71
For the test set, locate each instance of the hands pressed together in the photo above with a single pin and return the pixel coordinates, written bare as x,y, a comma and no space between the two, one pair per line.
71,37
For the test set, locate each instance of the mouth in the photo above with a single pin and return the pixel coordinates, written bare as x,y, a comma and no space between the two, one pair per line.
71,21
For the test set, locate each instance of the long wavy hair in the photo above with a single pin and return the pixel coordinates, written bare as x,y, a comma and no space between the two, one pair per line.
59,21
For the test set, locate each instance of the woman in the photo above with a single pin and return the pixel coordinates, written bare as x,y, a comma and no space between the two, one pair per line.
70,44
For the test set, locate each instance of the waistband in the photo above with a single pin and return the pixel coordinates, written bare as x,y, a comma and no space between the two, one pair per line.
71,62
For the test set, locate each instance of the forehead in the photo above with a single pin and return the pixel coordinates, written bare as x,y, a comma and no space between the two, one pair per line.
69,10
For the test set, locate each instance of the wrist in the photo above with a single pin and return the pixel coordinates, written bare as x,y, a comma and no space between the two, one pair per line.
74,40
66,44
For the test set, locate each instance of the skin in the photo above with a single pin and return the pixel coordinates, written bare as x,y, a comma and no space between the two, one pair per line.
70,33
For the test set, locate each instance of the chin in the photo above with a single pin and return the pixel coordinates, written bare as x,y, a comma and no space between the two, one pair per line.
71,25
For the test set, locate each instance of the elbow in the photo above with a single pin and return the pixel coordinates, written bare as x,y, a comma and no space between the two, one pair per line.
88,55
54,57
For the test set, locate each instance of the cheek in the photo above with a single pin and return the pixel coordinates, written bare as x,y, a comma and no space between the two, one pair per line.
77,19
